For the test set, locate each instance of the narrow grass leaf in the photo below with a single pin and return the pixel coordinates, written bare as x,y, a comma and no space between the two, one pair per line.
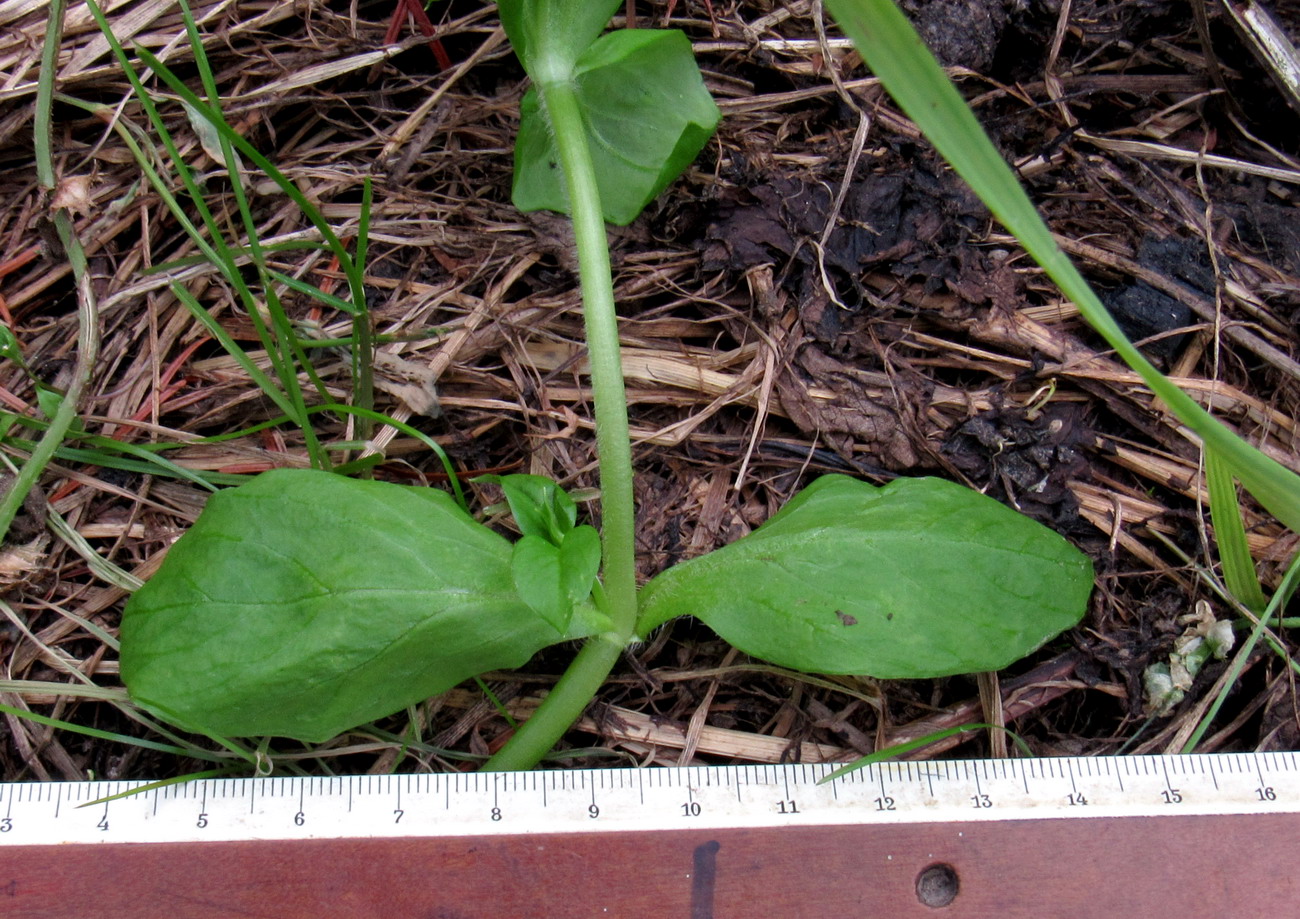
165,783
902,749
896,54
106,735
1230,535
1281,597
311,290
217,331
433,445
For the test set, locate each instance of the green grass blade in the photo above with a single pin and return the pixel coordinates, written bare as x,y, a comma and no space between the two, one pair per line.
290,353
287,356
215,329
907,747
214,247
87,310
897,55
254,155
67,690
1230,535
103,735
363,373
419,435
104,451
311,290
164,783
101,567
1281,597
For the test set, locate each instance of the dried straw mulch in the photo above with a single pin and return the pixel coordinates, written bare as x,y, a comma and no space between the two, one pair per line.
816,294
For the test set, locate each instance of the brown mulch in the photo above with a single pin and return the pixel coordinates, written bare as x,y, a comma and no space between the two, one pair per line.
818,293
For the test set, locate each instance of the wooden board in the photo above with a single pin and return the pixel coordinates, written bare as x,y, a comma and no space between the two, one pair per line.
1216,867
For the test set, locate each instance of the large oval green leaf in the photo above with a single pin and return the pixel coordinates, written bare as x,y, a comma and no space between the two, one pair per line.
304,603
920,578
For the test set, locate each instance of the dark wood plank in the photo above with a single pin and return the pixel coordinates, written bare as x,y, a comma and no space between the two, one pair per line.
1188,867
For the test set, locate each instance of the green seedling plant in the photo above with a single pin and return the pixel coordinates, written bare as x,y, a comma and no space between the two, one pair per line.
305,603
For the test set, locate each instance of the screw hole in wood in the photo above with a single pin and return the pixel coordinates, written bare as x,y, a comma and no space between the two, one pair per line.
937,885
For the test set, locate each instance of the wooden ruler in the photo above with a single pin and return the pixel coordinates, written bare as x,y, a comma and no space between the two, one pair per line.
1186,836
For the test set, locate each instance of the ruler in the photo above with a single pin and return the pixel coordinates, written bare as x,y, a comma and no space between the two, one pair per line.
1202,835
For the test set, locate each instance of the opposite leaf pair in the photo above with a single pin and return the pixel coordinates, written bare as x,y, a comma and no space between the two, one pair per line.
304,603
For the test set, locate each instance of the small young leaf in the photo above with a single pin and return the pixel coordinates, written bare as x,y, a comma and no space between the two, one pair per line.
9,348
921,578
303,604
579,562
49,401
539,505
553,579
535,568
647,116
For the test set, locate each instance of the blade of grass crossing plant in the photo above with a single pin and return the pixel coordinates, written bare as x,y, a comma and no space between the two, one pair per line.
87,313
164,783
215,329
896,54
1275,606
363,345
104,735
902,749
284,342
1230,535
457,492
214,246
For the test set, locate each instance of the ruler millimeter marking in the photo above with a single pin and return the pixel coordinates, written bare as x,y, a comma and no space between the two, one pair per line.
638,800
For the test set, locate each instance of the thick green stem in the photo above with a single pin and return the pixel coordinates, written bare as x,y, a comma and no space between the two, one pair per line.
592,665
